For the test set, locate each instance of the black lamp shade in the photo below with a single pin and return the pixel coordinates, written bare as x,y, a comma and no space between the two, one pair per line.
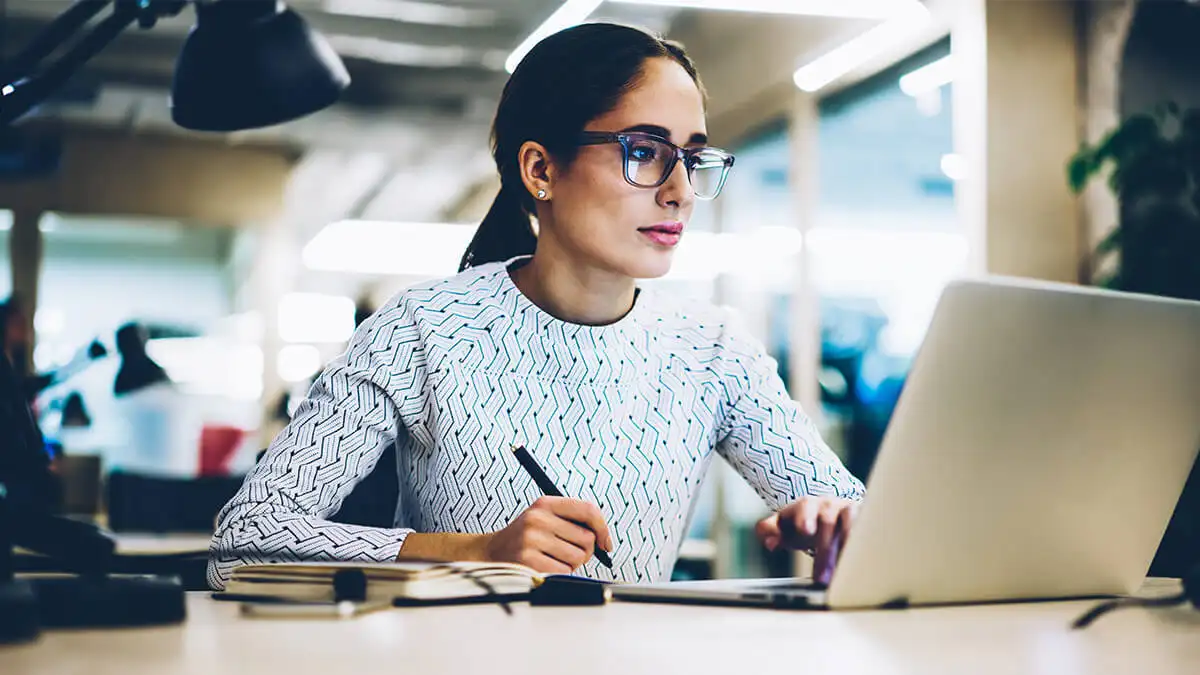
252,63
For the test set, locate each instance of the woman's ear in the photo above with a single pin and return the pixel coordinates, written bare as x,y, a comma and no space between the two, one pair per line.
537,170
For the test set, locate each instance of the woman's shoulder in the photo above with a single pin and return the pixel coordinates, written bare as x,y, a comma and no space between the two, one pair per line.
693,321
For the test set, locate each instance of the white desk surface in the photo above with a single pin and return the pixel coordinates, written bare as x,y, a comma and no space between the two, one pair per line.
135,543
628,638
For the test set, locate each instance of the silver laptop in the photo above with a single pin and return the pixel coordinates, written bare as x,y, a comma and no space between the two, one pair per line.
1037,451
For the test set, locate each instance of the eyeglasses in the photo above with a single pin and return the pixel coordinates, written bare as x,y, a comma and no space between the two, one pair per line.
649,161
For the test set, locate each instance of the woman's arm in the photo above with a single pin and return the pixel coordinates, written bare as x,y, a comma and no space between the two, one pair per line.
362,401
768,438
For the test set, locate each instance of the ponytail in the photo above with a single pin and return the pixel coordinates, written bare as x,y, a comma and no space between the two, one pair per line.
504,233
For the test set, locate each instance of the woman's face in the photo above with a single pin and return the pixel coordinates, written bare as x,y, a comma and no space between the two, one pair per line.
594,216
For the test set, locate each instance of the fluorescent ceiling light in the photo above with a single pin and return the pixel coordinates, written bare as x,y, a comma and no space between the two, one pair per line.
297,363
435,249
315,318
379,247
929,77
574,12
953,166
411,11
858,9
211,367
845,58
571,13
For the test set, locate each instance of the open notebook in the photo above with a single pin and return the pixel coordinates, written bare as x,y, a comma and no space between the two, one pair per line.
402,582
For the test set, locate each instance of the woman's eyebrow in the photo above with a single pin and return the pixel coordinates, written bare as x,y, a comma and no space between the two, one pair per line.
696,139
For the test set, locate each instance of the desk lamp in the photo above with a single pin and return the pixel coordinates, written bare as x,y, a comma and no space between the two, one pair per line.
245,64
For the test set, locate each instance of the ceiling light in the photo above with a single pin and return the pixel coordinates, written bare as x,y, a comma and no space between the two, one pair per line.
297,363
315,318
953,166
928,78
845,58
860,9
572,12
410,11
380,247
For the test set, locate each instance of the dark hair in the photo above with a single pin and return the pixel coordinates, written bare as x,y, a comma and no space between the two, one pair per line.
566,80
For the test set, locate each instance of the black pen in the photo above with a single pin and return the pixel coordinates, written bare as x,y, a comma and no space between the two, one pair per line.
547,486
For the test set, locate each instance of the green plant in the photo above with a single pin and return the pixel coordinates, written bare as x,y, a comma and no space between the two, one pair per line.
1155,162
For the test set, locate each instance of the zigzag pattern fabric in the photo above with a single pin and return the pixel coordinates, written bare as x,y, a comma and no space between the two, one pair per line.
626,416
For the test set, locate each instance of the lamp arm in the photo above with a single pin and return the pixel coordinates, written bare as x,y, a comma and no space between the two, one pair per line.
54,35
18,96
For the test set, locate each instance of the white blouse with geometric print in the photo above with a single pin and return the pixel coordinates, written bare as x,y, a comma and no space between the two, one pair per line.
626,416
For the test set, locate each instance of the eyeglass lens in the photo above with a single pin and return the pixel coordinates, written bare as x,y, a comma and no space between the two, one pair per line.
648,161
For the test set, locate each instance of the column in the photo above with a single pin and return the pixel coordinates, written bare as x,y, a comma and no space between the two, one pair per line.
1105,30
805,328
1016,127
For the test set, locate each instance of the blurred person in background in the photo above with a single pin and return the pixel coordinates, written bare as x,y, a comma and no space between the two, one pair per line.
544,339
15,335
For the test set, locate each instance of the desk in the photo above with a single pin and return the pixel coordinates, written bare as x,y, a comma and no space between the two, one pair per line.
134,543
628,639
137,553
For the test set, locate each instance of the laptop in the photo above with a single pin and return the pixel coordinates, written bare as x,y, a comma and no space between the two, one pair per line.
1037,451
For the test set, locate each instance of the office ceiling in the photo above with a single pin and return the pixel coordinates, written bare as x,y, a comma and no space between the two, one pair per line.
409,140
426,77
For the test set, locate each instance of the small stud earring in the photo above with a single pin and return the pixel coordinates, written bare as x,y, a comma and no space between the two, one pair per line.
541,194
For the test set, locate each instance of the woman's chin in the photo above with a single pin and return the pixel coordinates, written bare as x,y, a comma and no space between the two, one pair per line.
651,267
649,264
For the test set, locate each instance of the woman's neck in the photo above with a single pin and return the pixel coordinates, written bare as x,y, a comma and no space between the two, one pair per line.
574,293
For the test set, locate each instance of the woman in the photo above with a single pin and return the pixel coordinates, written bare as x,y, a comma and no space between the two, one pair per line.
546,341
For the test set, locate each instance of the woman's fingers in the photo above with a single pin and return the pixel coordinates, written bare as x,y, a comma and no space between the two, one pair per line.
767,531
826,540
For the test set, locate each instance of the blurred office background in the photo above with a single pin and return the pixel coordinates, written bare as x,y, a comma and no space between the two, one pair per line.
884,147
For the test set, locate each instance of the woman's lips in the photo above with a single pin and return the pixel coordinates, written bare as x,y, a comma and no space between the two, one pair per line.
664,234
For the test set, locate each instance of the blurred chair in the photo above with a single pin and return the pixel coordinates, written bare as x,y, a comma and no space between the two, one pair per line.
81,477
218,444
140,503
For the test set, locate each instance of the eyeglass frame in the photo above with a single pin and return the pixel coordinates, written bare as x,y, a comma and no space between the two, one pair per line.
622,138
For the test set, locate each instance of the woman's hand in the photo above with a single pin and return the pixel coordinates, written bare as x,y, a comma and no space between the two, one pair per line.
819,525
555,535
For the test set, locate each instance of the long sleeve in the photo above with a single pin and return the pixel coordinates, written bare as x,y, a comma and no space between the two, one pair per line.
364,400
768,438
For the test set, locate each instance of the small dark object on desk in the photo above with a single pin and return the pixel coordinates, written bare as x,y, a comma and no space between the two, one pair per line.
565,590
350,584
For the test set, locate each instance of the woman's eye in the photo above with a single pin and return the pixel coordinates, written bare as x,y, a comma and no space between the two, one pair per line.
642,153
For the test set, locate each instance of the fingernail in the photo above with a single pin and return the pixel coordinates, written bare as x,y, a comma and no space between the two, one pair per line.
771,543
810,525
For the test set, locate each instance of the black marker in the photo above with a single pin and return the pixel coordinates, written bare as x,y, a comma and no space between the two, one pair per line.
545,485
